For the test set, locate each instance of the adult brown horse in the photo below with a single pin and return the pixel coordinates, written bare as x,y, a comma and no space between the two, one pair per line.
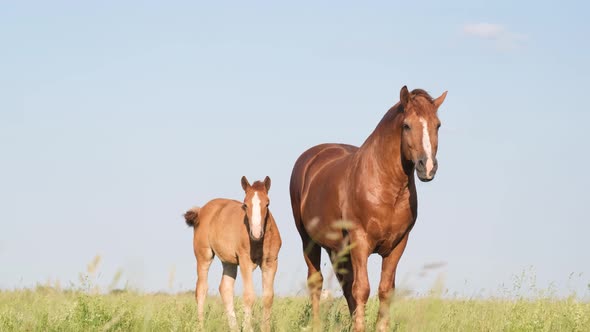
372,188
239,233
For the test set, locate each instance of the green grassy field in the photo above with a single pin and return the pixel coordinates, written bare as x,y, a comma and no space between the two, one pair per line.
47,309
84,307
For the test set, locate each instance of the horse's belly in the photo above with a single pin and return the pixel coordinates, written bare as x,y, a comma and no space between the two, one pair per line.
326,232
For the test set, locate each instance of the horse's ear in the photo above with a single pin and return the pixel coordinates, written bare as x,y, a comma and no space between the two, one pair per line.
267,183
404,96
245,183
438,101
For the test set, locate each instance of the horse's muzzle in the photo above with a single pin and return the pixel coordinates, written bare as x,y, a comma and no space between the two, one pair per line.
426,168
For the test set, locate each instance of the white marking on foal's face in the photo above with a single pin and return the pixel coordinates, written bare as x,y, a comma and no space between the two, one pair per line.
427,146
256,222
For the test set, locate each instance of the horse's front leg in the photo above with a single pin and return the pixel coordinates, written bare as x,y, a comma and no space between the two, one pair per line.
359,254
246,269
269,269
387,283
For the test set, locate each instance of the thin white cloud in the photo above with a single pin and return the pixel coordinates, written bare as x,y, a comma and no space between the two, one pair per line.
502,38
484,30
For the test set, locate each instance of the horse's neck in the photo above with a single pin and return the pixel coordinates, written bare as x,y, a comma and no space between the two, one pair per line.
379,158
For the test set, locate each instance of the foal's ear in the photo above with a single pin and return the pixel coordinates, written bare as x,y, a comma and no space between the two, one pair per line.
267,183
245,183
404,96
438,101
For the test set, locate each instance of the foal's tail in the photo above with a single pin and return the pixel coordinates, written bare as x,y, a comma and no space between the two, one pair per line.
192,216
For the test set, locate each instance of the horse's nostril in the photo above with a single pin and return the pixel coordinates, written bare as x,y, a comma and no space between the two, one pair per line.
421,163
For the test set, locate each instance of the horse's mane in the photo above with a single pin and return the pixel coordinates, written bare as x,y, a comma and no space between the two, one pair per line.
421,93
397,109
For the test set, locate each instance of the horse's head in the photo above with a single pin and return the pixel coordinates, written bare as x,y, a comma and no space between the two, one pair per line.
256,206
420,125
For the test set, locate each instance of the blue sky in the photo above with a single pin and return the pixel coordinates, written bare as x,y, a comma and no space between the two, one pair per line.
116,118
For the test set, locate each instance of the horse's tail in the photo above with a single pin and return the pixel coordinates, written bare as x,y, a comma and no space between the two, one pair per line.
192,216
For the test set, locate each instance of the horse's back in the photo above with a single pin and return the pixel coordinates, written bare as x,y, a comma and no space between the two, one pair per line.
315,158
219,207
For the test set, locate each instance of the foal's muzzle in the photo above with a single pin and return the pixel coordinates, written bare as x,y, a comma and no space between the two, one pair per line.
426,168
254,238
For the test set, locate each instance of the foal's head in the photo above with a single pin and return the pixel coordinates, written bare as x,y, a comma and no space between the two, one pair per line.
256,205
420,130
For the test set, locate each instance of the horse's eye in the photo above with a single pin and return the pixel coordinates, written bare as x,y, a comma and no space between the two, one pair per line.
244,206
438,126
406,126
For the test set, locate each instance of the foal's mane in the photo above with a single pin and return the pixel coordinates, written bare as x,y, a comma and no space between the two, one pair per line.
258,186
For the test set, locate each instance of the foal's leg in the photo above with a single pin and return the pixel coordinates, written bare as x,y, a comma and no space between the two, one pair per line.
313,256
204,259
226,289
387,283
246,269
269,269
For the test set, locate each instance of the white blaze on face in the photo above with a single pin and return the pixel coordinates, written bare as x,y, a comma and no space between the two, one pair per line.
256,222
427,146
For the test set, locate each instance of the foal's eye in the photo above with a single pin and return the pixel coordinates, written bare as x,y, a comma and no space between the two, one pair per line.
406,126
438,126
244,206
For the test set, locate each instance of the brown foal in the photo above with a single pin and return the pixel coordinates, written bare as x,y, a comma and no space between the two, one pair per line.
372,188
241,234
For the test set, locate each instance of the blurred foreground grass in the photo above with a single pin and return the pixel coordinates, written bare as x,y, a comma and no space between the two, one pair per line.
85,307
50,309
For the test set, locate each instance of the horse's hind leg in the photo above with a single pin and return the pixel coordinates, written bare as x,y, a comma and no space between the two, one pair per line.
313,256
204,259
226,289
312,253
